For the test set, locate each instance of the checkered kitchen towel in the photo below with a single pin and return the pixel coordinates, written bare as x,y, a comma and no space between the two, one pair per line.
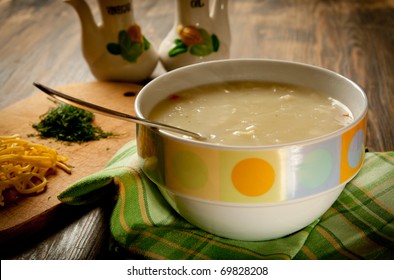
360,225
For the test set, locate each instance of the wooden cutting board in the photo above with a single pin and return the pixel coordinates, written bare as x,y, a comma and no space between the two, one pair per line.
85,158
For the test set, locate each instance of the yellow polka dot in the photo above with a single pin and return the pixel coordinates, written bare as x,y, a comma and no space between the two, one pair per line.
253,176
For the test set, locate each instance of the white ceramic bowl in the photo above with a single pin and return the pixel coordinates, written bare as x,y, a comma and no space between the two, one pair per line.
299,181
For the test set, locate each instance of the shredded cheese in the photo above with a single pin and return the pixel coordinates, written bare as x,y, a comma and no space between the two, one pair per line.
23,165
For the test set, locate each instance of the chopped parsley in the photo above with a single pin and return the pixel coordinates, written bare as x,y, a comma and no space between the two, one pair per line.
70,124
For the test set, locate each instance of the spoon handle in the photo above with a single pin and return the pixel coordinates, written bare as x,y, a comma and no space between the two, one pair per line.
111,113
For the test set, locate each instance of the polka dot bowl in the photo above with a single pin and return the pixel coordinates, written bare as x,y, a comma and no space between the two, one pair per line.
260,192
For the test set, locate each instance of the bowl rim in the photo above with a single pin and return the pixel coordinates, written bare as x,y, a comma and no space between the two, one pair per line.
309,141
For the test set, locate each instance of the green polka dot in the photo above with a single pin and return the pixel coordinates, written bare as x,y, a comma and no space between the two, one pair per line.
315,169
190,170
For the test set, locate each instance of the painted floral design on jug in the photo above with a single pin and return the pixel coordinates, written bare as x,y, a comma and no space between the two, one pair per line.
115,48
200,32
196,41
131,44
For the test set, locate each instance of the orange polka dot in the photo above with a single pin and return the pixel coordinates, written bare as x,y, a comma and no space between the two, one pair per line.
253,176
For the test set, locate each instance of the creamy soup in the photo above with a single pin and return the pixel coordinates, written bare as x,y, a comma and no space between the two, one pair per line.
253,113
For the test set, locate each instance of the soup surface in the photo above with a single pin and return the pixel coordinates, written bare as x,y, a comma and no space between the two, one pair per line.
252,113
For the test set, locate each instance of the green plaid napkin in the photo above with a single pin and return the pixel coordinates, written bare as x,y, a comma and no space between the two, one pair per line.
360,225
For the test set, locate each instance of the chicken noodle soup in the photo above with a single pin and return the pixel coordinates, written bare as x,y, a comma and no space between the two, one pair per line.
253,113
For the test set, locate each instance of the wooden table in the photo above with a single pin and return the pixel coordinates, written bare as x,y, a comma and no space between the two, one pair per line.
40,41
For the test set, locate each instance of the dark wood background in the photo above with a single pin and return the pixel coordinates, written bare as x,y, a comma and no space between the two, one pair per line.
40,41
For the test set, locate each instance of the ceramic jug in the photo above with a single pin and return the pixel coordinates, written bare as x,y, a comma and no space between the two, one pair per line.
116,49
201,32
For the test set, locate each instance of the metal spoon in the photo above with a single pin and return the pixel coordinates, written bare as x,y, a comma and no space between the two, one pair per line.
108,112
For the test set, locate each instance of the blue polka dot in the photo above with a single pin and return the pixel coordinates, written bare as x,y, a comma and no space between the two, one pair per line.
356,149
